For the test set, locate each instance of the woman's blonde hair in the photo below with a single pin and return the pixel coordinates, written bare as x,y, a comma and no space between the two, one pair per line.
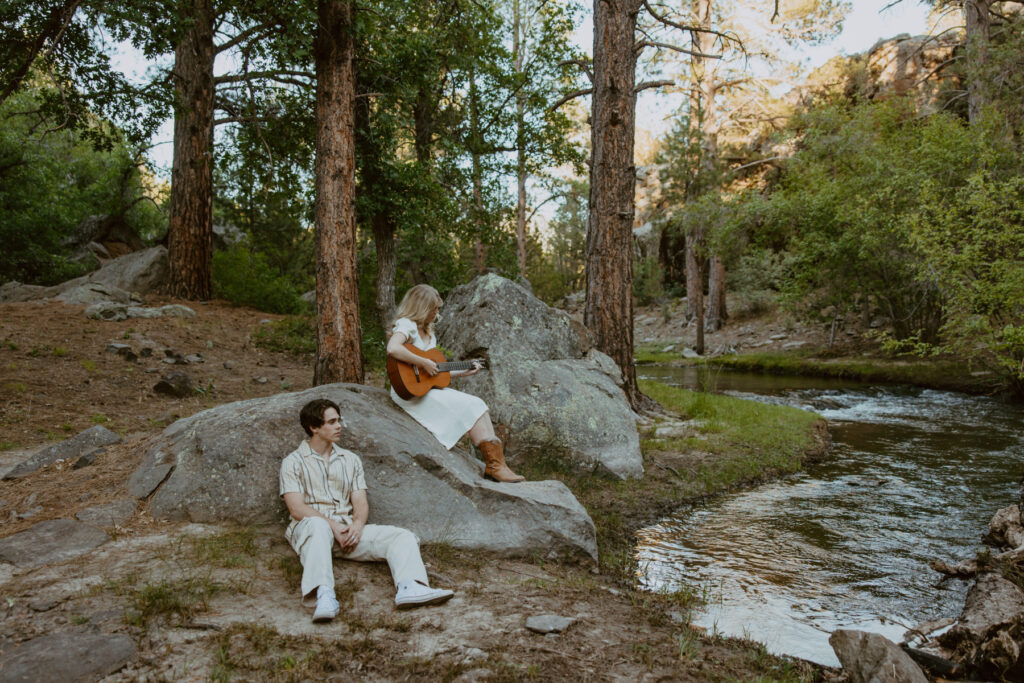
418,303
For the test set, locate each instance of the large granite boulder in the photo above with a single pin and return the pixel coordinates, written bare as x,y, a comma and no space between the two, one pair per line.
140,272
558,396
222,465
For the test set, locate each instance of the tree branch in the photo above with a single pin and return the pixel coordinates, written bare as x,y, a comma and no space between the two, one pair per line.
571,96
668,46
651,84
683,27
582,64
243,36
278,76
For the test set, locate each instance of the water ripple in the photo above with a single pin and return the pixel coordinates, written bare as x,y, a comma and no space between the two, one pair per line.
914,475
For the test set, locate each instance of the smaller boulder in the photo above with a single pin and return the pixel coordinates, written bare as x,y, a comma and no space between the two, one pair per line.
870,657
95,293
175,383
177,311
76,446
107,310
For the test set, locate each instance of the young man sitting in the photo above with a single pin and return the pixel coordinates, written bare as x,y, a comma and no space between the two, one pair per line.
325,492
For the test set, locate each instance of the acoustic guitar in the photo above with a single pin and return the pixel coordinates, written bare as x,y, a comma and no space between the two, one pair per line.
409,381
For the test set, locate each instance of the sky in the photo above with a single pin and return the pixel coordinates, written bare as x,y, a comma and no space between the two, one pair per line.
865,25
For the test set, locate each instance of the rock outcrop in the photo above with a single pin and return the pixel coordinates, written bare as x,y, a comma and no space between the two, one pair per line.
137,273
222,465
557,395
81,444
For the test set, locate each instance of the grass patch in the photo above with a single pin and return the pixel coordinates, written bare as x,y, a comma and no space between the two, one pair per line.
16,387
59,352
295,334
653,353
100,418
174,601
256,652
938,373
232,549
89,365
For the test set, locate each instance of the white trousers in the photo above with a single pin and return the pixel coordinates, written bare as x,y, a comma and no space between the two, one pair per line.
314,541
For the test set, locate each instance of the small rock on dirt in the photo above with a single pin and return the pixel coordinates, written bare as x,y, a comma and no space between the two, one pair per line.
67,657
177,311
548,623
81,443
55,540
43,605
88,459
175,383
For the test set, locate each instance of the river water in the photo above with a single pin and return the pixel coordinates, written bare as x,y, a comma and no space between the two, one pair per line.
913,474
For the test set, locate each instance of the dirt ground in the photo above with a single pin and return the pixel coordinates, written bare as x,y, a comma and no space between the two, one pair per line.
210,603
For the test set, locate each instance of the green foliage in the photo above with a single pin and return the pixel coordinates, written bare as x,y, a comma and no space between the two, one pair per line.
973,243
51,178
845,199
647,276
557,270
244,277
295,334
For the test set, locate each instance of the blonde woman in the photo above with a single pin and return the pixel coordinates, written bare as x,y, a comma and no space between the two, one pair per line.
446,413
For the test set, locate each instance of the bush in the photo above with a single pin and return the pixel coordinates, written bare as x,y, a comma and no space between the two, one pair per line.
244,277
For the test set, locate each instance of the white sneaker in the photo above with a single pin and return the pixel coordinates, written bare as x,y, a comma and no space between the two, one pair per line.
415,594
327,606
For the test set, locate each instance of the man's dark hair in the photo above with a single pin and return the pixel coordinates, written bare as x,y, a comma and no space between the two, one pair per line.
312,415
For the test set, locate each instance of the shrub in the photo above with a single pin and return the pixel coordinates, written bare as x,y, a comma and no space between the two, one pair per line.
244,277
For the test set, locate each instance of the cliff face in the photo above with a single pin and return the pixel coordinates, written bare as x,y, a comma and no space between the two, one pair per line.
919,66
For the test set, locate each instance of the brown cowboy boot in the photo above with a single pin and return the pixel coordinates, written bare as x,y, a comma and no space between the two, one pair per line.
494,459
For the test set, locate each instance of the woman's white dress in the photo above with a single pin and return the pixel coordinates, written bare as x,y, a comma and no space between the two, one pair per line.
448,413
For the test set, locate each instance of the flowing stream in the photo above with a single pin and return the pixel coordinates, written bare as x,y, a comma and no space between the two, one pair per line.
913,474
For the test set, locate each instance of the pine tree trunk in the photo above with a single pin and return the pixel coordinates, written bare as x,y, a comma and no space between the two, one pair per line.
384,241
694,278
190,229
339,335
977,29
716,314
609,307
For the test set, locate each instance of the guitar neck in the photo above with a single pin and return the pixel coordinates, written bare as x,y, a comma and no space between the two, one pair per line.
455,365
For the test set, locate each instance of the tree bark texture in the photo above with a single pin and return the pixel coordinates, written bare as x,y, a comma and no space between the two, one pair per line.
609,307
695,271
190,229
339,335
716,313
977,28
